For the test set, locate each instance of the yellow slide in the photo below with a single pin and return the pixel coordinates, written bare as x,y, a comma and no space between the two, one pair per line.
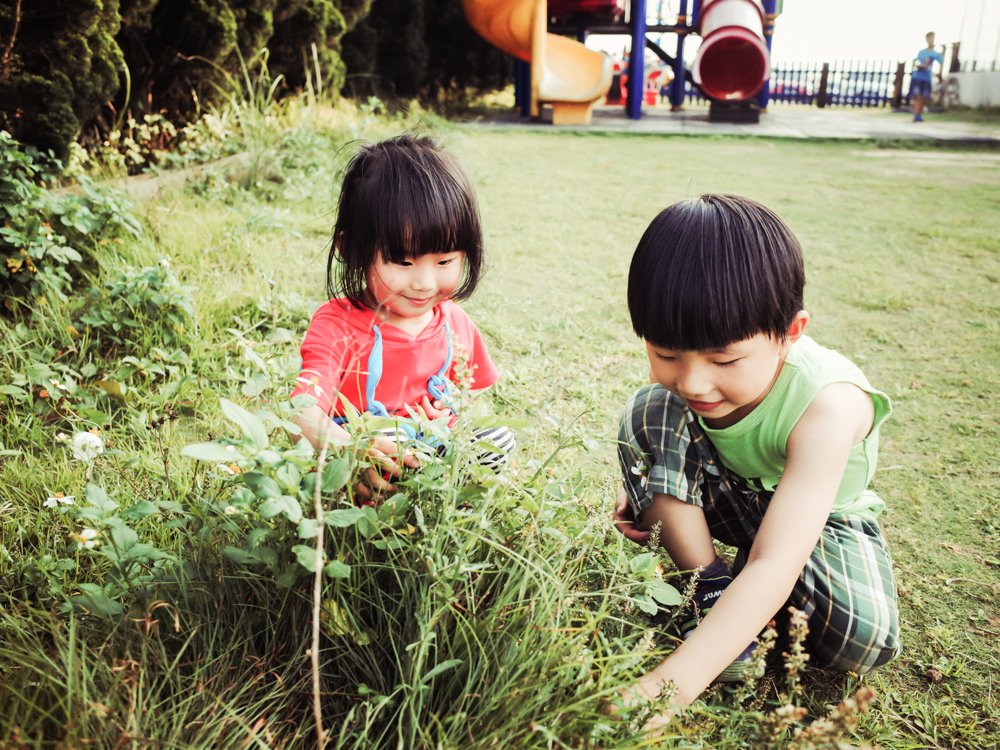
564,73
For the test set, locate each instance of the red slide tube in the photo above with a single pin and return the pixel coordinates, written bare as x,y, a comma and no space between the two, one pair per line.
732,64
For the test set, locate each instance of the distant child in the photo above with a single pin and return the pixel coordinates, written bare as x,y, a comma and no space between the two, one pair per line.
754,435
407,242
921,79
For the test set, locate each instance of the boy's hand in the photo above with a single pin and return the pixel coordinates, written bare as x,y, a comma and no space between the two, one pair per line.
625,520
388,463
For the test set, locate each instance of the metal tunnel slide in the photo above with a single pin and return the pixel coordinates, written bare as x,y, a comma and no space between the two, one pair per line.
570,77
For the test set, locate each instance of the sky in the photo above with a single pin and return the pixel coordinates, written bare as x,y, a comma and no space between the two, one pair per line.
832,30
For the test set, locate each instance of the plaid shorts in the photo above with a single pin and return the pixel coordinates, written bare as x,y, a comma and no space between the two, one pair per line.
846,589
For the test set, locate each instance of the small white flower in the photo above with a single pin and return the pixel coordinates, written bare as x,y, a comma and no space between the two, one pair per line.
87,446
86,539
230,510
58,499
229,470
642,472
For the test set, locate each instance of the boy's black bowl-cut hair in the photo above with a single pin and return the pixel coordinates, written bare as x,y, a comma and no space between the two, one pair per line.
714,270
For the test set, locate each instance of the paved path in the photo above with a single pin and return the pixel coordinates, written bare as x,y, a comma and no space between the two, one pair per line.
789,121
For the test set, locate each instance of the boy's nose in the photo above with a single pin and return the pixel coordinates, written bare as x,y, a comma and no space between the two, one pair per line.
692,382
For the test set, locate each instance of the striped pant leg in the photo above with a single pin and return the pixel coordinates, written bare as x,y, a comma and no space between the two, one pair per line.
494,446
848,593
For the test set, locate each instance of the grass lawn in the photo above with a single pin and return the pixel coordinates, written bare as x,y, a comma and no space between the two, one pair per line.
903,277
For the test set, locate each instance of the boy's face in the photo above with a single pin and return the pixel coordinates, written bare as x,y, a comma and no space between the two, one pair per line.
723,385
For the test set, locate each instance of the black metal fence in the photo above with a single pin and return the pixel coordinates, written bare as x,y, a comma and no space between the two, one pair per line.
854,83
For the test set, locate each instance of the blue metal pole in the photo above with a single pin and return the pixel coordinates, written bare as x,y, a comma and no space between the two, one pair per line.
770,10
522,87
678,84
636,74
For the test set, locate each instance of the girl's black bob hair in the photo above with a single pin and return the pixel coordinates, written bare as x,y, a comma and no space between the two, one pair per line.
401,198
714,270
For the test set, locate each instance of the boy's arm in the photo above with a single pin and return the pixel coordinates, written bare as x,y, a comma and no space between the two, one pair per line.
818,449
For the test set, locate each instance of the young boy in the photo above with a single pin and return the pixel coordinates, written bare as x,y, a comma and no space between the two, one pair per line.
921,79
754,435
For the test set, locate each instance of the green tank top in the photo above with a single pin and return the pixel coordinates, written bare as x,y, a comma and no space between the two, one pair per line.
755,447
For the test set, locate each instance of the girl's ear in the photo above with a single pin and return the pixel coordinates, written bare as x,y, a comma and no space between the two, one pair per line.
338,243
797,326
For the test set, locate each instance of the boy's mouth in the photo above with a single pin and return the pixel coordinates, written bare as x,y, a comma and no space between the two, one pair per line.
704,406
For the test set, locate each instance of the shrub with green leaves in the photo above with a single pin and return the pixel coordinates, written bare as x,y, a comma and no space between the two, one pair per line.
47,238
139,314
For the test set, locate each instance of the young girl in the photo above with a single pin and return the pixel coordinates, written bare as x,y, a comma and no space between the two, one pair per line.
407,241
752,434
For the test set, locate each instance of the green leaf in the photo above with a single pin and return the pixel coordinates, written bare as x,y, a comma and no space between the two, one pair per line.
215,453
98,498
252,427
443,666
306,557
262,485
308,528
284,505
646,604
343,517
113,388
261,556
142,509
93,600
337,569
664,593
336,474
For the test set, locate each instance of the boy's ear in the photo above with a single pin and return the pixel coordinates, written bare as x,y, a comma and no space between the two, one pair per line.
797,326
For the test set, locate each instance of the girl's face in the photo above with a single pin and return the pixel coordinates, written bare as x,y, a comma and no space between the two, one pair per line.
406,293
723,385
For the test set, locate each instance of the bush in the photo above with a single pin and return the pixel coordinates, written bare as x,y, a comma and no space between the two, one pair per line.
46,237
60,65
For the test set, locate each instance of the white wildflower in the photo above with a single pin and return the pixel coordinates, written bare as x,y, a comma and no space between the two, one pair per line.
86,539
58,499
87,446
642,472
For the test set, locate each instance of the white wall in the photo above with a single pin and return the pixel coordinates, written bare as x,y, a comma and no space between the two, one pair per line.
975,89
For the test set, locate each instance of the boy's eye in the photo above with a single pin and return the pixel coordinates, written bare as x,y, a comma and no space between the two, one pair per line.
728,362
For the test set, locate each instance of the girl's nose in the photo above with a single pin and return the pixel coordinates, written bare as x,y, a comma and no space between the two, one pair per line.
423,278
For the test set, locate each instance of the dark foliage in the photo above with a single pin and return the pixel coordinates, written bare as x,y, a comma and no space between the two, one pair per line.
420,48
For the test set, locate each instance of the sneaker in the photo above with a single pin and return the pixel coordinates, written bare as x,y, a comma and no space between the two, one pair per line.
711,583
918,118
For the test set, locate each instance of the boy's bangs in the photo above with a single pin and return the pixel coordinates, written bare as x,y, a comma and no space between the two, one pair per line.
699,317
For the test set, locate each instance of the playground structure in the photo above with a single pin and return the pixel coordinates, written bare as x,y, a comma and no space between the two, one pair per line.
731,67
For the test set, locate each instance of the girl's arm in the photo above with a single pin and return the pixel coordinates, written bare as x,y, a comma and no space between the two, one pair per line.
818,447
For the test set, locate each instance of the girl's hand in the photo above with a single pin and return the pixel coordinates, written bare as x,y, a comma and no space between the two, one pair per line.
434,409
388,463
625,521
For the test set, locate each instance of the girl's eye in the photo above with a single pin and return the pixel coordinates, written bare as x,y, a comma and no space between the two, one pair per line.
405,263
446,262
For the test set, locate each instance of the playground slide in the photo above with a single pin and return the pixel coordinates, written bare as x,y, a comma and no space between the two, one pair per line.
570,77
